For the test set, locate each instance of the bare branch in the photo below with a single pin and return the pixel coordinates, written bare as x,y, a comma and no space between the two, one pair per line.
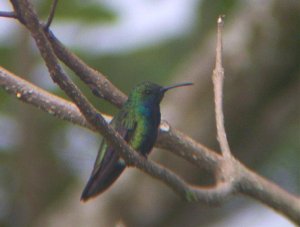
180,144
240,180
218,78
51,104
257,187
8,15
97,82
51,15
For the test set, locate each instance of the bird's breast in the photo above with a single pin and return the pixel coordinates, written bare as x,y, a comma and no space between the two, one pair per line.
146,132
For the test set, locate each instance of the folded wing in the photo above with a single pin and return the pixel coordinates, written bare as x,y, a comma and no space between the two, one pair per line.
108,165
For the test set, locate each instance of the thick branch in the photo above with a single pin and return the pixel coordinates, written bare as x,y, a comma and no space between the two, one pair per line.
257,187
51,104
187,148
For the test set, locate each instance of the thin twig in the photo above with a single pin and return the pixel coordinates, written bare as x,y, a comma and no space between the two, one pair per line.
51,15
218,78
8,14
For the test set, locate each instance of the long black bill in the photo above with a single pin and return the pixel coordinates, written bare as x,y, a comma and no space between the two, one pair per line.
164,89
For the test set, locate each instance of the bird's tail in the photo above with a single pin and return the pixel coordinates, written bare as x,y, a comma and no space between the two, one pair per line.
101,180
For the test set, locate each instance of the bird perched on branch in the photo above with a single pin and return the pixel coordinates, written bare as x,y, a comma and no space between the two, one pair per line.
137,122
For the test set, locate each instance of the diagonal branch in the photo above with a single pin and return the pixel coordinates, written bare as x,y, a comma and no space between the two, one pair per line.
97,82
49,103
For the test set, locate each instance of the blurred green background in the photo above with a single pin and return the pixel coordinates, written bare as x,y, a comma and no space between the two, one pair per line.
45,162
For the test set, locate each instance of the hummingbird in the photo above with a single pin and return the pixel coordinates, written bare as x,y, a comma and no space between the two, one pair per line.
137,122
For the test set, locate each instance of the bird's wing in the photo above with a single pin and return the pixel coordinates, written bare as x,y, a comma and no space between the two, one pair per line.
108,165
107,154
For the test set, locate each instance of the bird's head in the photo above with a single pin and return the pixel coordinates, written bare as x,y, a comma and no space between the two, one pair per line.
149,93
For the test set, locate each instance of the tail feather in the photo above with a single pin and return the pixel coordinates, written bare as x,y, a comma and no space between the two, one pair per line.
101,180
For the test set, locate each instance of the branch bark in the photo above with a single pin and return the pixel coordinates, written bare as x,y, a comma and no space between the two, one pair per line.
49,103
218,79
8,15
238,180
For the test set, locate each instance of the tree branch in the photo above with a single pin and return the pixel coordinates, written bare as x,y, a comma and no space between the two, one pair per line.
8,14
241,179
98,83
51,15
268,193
49,103
218,78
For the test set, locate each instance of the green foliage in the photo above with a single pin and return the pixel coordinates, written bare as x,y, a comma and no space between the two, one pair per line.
6,56
80,11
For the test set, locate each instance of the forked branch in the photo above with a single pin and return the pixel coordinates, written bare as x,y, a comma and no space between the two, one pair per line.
233,177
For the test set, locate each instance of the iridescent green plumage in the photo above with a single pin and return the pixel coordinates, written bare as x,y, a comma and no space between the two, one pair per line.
137,122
